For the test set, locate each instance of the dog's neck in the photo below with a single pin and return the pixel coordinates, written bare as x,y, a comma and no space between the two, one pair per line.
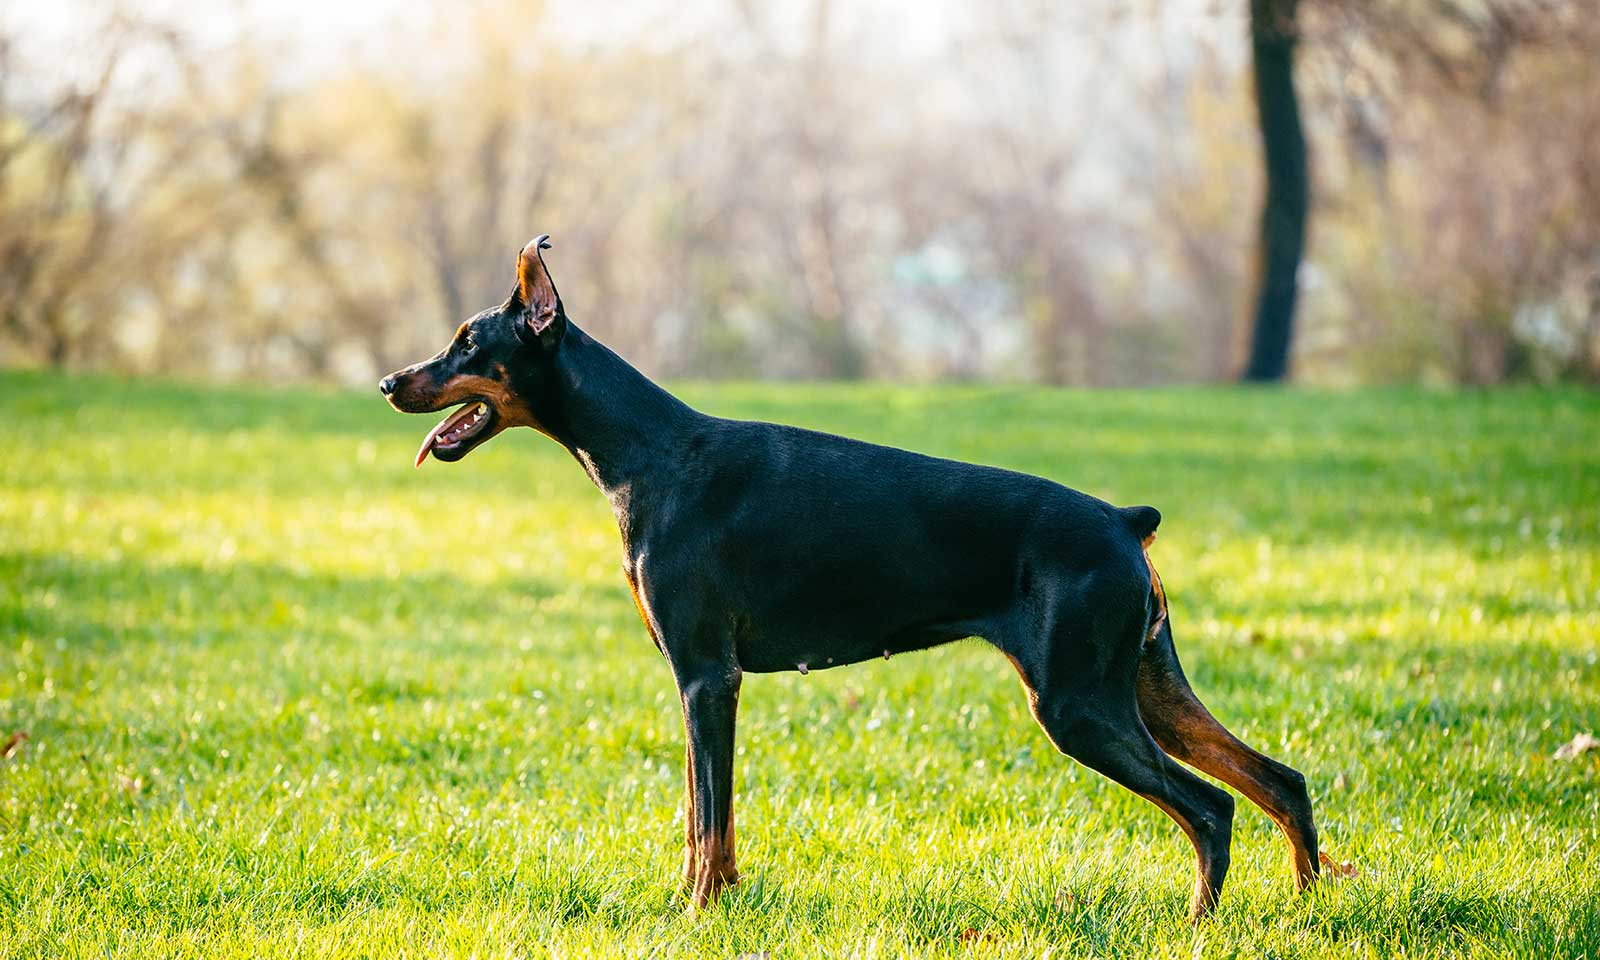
619,425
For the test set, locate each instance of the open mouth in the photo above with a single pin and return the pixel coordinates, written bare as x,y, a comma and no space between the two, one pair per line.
455,434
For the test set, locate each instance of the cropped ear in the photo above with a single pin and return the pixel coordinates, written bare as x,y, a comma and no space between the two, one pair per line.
542,319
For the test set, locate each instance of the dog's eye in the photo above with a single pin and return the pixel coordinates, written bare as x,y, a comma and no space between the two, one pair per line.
467,346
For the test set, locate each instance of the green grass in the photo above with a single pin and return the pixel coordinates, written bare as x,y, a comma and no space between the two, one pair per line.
287,696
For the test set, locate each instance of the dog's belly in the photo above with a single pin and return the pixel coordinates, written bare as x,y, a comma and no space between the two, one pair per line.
778,651
854,598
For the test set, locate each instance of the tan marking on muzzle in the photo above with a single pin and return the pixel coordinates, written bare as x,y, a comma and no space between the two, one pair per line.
508,406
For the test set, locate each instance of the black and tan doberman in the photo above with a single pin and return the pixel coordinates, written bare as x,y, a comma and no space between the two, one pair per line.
756,548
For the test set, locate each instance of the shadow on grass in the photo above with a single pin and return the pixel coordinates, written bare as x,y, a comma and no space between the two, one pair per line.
98,605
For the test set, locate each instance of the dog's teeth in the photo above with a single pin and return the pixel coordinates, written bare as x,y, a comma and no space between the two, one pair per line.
483,408
885,654
802,668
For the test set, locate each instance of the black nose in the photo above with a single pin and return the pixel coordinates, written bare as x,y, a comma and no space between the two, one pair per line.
386,386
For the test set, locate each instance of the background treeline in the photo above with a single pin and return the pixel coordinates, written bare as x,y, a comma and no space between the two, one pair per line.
1004,189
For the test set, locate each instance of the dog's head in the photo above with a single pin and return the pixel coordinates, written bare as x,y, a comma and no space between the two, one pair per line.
492,367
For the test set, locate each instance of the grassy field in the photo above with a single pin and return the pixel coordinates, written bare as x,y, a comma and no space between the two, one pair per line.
285,696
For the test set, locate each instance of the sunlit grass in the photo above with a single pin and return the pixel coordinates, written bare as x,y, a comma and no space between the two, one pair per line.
287,696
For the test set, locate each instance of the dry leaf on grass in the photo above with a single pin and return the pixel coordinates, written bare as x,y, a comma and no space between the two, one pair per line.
12,746
1334,868
1577,747
974,935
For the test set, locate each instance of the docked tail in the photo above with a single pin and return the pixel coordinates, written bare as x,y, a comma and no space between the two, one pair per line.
1142,521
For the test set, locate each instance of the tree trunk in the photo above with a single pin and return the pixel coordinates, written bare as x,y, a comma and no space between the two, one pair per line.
53,331
1283,213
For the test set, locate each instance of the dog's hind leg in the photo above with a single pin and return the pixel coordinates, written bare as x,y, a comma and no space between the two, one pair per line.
1187,730
1083,694
1115,743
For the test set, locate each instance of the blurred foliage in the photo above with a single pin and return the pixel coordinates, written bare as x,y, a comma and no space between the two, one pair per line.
787,190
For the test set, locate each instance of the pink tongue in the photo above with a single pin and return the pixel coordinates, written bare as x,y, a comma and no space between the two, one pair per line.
427,442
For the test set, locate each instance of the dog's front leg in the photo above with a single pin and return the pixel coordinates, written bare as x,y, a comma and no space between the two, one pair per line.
710,693
691,846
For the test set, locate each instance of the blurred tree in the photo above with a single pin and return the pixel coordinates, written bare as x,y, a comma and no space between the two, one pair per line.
84,170
56,216
1476,123
1273,35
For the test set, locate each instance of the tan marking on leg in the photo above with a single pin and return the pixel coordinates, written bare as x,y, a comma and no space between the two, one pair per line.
1156,588
1184,728
1027,688
691,849
644,614
716,868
